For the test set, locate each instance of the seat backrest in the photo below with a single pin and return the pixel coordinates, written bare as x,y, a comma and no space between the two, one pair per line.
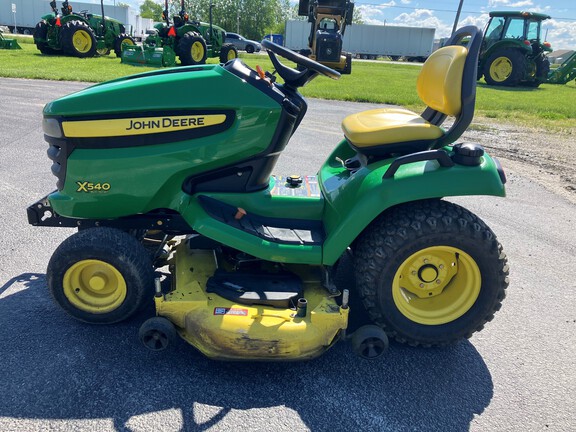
439,84
447,83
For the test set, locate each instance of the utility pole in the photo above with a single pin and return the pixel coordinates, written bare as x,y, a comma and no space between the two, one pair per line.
14,13
457,16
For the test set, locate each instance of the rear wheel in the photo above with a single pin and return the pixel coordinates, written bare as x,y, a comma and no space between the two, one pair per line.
430,273
249,49
192,49
227,53
122,39
78,39
100,275
505,67
40,37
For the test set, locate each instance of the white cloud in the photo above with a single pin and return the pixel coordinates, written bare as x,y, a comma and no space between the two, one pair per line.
521,4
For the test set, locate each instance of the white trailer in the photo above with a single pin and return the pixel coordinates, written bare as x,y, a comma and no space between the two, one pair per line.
371,41
29,12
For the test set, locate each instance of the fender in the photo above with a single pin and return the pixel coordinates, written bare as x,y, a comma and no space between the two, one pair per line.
354,199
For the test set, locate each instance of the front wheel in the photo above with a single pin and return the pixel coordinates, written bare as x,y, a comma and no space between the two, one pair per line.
100,275
122,39
228,52
430,273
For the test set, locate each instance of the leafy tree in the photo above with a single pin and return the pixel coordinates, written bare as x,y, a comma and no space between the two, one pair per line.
357,16
151,9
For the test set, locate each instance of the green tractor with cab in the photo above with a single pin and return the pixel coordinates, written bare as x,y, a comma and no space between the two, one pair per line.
512,51
79,34
189,40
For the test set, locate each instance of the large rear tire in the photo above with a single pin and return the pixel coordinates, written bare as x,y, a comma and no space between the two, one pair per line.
78,40
40,36
100,275
119,40
192,49
505,67
430,273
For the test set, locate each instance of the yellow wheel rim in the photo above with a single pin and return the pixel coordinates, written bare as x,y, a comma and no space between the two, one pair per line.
197,51
231,55
82,41
436,285
127,42
94,286
103,51
500,69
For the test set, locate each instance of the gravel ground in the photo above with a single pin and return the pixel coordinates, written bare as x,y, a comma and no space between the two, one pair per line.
543,156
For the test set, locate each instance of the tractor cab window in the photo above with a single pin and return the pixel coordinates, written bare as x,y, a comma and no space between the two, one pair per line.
328,25
515,29
533,32
494,30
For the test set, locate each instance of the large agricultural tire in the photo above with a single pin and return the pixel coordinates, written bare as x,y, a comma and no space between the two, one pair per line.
78,40
192,49
119,40
40,31
101,275
227,53
40,36
430,273
505,67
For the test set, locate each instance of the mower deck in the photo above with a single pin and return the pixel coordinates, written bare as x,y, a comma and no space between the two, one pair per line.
224,329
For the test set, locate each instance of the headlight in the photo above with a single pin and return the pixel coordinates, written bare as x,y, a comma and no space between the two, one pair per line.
51,127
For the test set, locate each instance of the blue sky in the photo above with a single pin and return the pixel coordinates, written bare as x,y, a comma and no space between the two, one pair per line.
440,14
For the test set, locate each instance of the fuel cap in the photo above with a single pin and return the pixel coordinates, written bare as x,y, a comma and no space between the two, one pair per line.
469,154
294,180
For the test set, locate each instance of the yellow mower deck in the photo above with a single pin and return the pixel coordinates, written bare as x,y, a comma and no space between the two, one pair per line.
225,330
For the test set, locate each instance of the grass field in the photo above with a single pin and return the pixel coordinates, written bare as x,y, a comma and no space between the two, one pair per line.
549,106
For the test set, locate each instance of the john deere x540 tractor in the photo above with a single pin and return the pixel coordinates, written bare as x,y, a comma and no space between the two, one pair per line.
79,34
192,41
512,50
175,202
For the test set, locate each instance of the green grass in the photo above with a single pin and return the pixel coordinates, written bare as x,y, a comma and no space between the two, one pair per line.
551,106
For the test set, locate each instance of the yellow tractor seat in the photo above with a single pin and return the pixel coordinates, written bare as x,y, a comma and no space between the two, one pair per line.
446,85
384,126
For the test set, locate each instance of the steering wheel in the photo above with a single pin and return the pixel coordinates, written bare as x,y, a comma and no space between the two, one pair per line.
292,77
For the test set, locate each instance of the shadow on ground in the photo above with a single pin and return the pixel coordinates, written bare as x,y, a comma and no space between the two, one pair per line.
57,368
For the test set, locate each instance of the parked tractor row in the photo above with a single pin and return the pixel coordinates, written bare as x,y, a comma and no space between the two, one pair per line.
192,41
79,34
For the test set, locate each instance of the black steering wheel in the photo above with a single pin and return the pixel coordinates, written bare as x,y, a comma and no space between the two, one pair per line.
292,77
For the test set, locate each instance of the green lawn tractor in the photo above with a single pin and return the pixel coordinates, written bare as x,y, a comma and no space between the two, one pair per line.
191,41
175,202
328,19
8,43
512,51
79,34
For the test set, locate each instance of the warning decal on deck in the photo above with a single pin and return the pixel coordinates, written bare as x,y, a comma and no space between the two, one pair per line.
230,311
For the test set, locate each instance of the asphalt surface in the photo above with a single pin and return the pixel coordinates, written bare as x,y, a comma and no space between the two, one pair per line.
61,375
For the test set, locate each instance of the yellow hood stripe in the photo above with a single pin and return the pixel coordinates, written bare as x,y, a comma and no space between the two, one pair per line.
138,125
